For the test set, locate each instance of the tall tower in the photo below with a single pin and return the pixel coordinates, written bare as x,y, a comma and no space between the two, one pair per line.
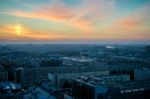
18,75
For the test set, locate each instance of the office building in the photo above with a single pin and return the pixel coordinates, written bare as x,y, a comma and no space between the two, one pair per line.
3,74
83,89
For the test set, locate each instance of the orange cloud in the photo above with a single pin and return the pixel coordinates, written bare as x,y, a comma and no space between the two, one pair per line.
128,23
8,32
44,37
137,18
132,26
81,17
41,35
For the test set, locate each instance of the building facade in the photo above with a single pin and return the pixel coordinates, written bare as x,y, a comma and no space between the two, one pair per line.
59,79
3,74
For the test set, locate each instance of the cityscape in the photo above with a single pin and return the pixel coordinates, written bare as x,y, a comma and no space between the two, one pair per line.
79,71
74,49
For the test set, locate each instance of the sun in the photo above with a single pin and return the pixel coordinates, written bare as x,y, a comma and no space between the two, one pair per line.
18,29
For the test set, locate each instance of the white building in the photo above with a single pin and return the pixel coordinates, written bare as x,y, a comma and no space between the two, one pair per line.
59,78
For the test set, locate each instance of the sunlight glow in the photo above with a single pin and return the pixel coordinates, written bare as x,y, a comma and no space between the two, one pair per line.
18,30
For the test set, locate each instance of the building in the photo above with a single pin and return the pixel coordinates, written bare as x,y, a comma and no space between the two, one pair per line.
51,62
142,74
127,65
9,90
38,74
3,74
10,69
37,93
76,61
112,78
83,89
18,75
60,78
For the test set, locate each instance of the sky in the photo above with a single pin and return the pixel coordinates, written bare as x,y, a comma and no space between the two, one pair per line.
74,20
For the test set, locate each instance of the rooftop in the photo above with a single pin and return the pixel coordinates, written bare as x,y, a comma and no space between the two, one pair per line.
9,85
145,84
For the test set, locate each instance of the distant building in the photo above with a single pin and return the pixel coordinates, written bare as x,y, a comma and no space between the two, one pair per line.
18,75
147,49
3,74
112,78
52,62
10,69
60,78
142,74
38,74
124,65
76,61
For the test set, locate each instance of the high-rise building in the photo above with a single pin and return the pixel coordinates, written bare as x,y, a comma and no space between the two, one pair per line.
18,75
3,74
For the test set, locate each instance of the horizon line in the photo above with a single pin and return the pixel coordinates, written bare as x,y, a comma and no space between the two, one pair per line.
77,42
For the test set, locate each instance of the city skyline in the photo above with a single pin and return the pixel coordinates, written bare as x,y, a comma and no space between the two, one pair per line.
74,20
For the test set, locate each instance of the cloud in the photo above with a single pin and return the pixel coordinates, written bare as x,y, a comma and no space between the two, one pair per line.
133,26
8,32
137,18
128,23
81,17
92,18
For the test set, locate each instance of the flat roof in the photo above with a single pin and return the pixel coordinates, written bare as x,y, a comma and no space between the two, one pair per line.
132,84
145,84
